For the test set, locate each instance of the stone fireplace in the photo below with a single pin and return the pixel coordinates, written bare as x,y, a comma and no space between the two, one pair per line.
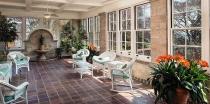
33,44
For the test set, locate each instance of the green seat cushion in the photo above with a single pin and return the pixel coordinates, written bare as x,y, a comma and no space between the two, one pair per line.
80,54
22,61
101,60
4,70
8,98
20,58
120,73
78,58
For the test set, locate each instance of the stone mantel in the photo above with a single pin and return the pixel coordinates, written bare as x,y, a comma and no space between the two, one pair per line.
44,29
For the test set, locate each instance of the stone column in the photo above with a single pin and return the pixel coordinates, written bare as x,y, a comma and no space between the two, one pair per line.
103,35
159,26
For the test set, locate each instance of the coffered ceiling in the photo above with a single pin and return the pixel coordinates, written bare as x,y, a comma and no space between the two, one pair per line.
56,6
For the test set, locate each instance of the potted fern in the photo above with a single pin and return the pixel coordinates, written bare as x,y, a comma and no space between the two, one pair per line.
7,32
178,81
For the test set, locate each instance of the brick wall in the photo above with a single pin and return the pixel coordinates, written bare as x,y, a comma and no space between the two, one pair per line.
103,34
159,28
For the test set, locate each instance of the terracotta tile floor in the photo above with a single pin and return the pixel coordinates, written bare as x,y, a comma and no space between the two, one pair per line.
55,82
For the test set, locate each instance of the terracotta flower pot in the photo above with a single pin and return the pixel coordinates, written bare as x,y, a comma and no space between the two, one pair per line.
182,96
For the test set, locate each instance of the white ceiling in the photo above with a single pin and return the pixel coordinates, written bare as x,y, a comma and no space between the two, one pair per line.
57,6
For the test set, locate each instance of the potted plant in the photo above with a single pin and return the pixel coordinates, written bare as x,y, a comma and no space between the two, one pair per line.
176,80
7,32
93,51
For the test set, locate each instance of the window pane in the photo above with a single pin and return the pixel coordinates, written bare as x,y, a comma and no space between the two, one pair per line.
140,11
146,46
147,10
115,27
110,45
193,4
128,25
110,36
31,23
128,36
123,36
180,20
114,46
139,36
123,15
111,26
114,36
179,37
147,52
140,23
129,13
194,19
147,38
128,46
179,50
193,53
115,17
193,37
139,47
147,23
123,45
123,25
18,21
179,5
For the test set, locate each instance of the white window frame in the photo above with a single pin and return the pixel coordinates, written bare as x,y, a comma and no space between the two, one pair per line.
96,37
126,10
90,29
112,30
142,57
204,29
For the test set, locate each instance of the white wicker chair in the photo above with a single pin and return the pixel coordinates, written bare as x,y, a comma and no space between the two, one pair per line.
81,55
123,72
10,93
6,71
102,60
19,59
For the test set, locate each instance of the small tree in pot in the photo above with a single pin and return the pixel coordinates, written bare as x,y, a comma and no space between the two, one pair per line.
7,32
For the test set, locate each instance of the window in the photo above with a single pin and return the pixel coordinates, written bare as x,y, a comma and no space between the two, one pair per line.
31,24
18,43
125,29
112,30
84,24
90,29
186,28
97,31
143,34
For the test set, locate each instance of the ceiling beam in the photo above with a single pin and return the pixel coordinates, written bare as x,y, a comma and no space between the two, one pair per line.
63,6
55,1
28,5
76,10
45,7
12,4
88,4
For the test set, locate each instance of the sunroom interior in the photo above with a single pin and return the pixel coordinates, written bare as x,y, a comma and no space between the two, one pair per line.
97,51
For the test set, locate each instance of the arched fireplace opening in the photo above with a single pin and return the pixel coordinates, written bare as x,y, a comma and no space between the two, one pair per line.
33,45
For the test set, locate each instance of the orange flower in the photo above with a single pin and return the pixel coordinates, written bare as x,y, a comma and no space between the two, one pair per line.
164,58
178,57
185,63
203,63
92,47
